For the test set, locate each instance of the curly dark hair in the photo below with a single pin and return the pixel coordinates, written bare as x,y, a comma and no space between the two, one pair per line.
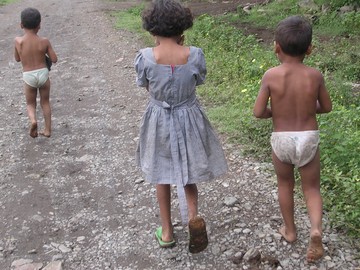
167,18
30,18
294,35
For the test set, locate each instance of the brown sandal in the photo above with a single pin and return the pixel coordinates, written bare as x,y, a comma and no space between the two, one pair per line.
198,236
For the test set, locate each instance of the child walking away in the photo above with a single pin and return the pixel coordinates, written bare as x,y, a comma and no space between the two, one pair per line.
177,145
296,93
36,55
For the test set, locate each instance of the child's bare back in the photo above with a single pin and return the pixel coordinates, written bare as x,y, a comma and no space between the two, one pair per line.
294,89
31,49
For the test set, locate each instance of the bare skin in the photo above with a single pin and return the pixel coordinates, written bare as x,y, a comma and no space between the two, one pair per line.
170,51
164,199
315,249
296,94
30,50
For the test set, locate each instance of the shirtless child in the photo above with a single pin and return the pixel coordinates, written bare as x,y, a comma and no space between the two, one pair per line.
31,51
296,93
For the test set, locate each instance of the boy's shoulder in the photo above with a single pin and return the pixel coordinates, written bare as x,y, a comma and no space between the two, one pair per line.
273,71
18,38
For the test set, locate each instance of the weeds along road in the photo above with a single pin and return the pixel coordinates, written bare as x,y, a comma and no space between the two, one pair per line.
79,199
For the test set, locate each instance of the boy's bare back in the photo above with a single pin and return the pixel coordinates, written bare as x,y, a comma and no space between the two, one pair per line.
30,49
297,93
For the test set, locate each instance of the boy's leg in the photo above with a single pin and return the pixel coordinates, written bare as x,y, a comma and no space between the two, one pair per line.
45,106
310,179
163,196
30,95
286,182
191,192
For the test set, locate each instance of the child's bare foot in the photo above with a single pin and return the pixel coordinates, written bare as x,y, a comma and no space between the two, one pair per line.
315,250
45,134
33,130
289,237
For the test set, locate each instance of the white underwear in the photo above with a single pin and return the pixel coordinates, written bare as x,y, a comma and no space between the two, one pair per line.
295,147
36,78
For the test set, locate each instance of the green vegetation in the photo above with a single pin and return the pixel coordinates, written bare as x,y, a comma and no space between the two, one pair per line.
236,62
4,2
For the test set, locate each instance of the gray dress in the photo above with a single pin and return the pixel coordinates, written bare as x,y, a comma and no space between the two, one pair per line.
177,144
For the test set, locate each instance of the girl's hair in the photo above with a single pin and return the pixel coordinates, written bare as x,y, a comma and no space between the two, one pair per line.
167,18
30,18
294,35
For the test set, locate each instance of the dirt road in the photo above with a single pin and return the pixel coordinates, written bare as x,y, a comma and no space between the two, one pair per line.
78,199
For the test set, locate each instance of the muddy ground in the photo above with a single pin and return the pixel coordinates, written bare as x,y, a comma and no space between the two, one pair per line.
77,198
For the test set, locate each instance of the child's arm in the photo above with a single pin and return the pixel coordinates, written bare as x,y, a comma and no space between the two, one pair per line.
261,109
16,53
323,104
50,52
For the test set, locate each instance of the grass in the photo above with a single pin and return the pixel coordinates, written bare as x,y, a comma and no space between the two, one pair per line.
4,2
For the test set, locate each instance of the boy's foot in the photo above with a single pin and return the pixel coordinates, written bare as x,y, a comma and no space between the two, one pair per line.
198,237
289,237
315,250
33,130
45,134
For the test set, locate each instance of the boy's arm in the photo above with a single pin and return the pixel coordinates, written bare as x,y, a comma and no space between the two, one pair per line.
261,109
51,53
324,104
16,53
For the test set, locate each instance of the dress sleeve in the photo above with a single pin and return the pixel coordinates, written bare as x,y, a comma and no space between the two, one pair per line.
140,70
200,78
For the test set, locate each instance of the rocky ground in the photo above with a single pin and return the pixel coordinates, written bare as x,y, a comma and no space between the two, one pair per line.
76,201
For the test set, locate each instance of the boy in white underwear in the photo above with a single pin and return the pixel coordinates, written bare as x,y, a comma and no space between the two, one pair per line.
31,51
296,93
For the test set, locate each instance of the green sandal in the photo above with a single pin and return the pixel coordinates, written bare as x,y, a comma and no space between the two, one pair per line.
158,236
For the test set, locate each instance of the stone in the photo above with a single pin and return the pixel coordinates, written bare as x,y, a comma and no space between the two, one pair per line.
55,265
252,255
230,201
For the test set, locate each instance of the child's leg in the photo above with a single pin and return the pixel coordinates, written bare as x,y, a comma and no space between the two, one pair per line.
30,95
191,192
45,106
310,179
198,239
286,182
164,196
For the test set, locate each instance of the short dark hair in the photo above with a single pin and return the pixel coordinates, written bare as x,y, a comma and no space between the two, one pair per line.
167,18
30,18
294,35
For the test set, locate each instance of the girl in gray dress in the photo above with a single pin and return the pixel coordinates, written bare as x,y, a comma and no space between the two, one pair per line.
177,145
